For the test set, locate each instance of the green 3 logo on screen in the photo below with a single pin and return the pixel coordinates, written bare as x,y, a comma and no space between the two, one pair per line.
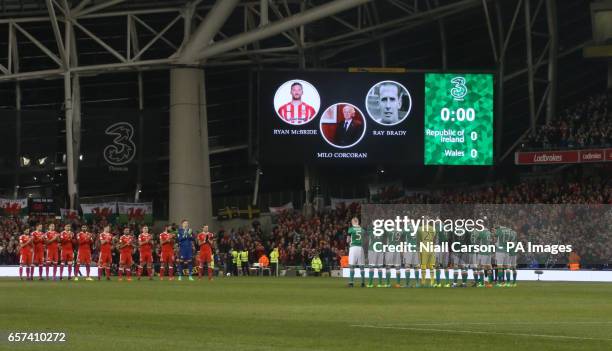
459,91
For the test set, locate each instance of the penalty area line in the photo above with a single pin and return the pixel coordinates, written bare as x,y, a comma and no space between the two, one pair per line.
479,332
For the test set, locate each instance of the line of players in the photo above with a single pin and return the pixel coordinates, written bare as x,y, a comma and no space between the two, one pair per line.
433,264
55,250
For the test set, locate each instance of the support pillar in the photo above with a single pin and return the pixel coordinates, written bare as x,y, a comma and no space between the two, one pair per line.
609,86
141,137
499,84
71,157
307,186
551,99
72,106
610,78
256,187
189,188
17,139
530,68
76,134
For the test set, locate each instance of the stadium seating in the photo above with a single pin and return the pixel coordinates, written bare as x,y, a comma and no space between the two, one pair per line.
299,237
587,124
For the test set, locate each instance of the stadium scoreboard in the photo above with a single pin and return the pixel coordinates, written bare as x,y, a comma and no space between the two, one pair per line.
375,117
458,119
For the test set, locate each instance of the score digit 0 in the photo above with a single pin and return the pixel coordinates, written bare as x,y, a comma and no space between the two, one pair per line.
461,114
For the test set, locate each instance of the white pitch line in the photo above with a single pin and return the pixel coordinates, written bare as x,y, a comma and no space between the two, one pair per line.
502,323
480,332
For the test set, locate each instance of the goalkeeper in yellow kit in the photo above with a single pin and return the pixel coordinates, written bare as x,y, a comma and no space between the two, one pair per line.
427,236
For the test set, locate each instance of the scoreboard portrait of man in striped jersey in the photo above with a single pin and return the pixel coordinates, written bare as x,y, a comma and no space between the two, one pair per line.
304,103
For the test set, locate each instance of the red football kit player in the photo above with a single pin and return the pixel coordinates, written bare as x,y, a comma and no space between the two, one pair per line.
205,240
145,244
106,259
295,111
296,114
67,257
84,254
38,237
167,253
52,241
26,252
125,254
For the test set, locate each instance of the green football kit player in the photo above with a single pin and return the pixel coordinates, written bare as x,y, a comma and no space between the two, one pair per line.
393,259
473,239
459,260
506,258
481,260
375,258
443,260
411,258
513,238
356,259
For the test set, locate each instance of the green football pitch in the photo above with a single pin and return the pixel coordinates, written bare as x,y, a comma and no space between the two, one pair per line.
250,313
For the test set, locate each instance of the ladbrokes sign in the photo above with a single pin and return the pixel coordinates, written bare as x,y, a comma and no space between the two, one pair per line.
570,156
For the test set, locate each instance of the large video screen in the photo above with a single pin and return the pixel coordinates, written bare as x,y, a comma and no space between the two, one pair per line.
458,119
375,118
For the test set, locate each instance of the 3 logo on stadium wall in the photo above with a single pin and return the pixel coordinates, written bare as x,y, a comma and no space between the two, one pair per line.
123,148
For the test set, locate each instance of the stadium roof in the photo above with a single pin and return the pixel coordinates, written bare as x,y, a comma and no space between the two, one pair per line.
371,31
110,38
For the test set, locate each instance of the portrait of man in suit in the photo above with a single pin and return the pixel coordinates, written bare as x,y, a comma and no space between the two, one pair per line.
349,129
342,125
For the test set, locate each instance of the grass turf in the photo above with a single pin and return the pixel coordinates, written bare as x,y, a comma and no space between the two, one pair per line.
252,313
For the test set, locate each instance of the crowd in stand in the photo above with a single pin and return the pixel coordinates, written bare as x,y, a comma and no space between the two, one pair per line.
299,237
588,124
537,191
